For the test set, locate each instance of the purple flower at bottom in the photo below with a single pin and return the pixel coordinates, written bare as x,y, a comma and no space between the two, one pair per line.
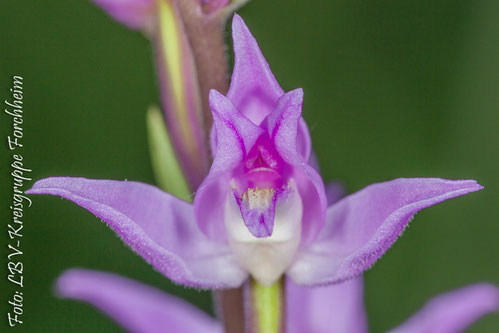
333,309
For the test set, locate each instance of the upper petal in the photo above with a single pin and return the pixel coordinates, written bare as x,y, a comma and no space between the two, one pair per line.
136,14
361,227
253,88
231,129
333,309
453,312
158,226
235,135
283,126
136,307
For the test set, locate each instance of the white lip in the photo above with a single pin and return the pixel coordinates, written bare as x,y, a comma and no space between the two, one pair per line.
267,258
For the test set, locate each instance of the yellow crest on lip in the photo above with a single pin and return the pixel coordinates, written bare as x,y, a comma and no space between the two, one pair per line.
258,197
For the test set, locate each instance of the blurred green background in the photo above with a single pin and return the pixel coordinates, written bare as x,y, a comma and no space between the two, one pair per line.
392,89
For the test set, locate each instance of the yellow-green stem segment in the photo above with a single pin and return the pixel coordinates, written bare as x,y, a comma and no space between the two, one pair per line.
180,92
175,62
165,165
267,307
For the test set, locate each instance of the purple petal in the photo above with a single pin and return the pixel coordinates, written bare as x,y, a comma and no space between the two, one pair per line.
136,307
158,226
304,141
230,125
253,88
235,135
334,192
283,124
313,161
454,311
361,227
135,14
333,309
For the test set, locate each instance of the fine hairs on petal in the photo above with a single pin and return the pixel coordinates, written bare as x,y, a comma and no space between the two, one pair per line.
158,226
361,227
136,307
453,311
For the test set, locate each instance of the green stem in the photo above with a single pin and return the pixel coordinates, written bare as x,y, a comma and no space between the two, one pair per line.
267,307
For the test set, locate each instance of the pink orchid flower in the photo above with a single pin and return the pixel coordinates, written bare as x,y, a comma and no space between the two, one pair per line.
262,209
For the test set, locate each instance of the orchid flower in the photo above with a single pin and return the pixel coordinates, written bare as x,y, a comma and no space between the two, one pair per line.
262,209
338,308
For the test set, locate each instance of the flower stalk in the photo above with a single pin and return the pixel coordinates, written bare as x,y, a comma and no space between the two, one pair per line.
229,306
267,310
205,31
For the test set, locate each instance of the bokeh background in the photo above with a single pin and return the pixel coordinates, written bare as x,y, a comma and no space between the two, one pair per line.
392,89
